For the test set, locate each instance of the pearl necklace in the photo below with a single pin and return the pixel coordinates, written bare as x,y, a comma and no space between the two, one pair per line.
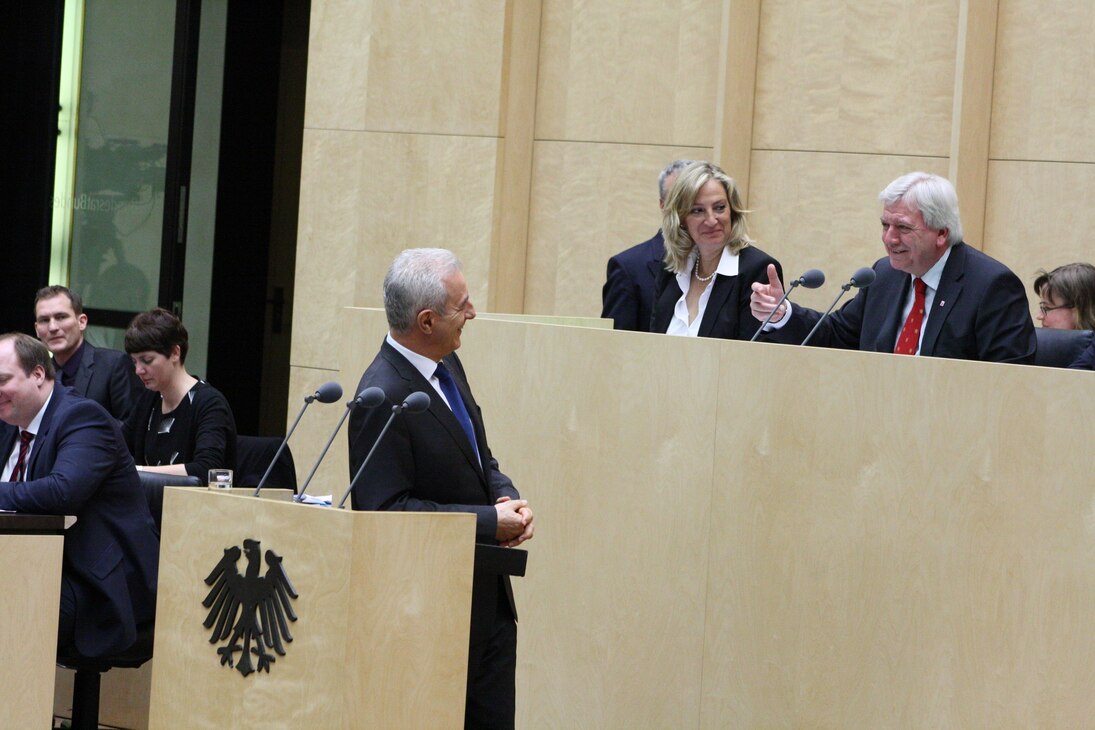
704,279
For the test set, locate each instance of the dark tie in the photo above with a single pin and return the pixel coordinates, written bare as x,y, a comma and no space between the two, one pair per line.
456,403
909,339
20,469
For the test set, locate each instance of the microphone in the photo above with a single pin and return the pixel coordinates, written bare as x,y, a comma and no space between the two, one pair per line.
368,398
861,279
326,393
811,279
416,402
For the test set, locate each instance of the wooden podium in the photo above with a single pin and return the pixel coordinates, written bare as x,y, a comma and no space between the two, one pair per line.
31,548
383,613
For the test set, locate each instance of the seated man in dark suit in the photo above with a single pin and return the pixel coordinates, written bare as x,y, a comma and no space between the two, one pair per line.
933,295
105,376
627,296
439,460
64,454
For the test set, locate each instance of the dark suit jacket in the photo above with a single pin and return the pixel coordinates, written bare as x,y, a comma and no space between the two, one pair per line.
1086,360
79,465
107,377
980,312
425,463
727,315
628,294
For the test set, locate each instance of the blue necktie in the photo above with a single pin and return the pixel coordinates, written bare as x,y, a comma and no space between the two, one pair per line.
456,403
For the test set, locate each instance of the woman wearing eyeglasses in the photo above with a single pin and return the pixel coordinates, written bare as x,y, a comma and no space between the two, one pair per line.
1067,297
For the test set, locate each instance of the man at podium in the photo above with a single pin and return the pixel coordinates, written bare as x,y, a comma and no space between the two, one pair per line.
63,454
439,460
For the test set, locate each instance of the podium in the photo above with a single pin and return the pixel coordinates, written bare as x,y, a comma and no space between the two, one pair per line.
31,549
382,606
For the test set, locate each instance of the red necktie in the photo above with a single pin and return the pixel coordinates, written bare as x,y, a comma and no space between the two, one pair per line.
909,339
20,469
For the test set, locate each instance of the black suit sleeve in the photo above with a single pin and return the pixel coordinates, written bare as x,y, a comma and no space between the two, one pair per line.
123,388
1003,328
618,298
407,473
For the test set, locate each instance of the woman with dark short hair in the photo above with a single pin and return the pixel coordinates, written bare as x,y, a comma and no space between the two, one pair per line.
1066,297
180,424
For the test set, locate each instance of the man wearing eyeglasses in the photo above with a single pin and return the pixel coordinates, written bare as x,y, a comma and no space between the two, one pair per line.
933,294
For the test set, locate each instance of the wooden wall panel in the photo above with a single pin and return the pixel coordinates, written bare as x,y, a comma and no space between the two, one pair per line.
840,75
1039,216
368,197
1044,102
414,66
641,71
814,210
820,566
589,201
866,586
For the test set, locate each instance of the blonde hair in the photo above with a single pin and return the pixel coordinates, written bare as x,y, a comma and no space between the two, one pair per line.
682,196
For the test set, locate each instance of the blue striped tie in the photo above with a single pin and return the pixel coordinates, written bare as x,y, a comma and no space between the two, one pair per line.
456,403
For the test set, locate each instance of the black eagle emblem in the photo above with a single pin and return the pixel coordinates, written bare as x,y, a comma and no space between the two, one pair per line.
249,608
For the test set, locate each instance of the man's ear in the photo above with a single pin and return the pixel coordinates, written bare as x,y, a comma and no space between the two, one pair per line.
424,320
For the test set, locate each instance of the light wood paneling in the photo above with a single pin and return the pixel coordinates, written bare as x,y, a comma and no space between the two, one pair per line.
316,427
123,696
734,121
509,244
1039,216
840,75
641,72
924,562
921,562
970,124
368,197
30,566
821,211
1043,105
589,202
415,66
383,610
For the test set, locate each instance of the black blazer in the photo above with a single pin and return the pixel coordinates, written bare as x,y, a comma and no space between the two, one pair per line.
79,465
727,315
980,312
425,463
107,377
628,293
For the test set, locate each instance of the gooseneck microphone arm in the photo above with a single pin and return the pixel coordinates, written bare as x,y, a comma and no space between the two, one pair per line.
811,279
416,402
861,279
368,398
326,393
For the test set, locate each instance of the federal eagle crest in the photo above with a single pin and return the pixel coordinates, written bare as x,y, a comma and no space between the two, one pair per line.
249,608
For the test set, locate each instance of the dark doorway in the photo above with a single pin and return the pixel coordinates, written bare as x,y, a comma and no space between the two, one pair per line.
262,126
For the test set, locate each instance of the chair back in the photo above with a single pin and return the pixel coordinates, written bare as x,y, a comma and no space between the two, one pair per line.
253,456
152,485
1060,348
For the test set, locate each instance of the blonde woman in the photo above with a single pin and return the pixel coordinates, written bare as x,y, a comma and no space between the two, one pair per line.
710,261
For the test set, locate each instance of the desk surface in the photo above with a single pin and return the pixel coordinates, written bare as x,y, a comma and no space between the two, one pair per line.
18,523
